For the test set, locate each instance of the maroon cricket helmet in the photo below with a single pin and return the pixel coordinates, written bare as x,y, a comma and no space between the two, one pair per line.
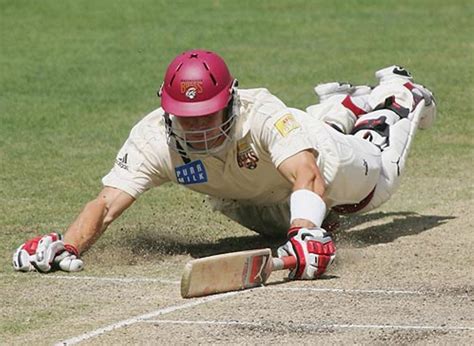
197,82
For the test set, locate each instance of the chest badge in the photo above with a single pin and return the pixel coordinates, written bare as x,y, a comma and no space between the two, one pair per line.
246,156
193,172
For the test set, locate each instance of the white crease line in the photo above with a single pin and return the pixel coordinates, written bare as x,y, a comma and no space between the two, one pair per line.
225,323
136,319
343,290
176,282
110,279
313,326
165,281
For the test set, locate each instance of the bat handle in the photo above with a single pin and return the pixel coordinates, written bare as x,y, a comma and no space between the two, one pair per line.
287,262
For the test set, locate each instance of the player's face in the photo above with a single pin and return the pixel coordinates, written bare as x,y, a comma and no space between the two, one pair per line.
203,132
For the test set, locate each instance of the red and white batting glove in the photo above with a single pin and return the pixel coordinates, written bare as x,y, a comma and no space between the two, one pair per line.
313,249
46,252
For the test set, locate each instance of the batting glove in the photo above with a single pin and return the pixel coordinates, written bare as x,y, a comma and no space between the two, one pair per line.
45,253
313,249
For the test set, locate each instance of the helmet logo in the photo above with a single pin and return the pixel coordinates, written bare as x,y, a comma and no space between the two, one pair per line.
191,93
190,88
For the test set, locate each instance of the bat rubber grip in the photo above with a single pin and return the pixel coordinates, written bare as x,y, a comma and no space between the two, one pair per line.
287,262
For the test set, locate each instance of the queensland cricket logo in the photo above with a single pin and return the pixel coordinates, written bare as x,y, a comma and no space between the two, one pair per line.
191,88
246,156
191,93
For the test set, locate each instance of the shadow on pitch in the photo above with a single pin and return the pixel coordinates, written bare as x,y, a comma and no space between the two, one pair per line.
351,231
149,243
399,224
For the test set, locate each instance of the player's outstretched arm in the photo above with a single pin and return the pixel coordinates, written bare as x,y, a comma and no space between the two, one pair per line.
307,241
96,216
44,253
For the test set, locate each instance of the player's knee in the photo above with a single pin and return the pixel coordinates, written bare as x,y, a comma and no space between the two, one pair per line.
402,95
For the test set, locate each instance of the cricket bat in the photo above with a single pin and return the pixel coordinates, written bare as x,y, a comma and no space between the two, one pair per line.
230,272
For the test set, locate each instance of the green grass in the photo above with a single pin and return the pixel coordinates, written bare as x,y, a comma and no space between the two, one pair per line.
76,75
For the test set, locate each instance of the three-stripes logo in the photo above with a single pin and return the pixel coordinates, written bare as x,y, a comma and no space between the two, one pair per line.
122,161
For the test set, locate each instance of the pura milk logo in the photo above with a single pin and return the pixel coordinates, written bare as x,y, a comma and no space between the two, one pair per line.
193,172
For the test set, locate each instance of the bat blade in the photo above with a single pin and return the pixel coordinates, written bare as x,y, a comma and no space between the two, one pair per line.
226,272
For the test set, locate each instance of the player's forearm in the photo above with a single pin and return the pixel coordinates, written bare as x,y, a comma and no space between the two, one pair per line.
88,226
307,203
309,178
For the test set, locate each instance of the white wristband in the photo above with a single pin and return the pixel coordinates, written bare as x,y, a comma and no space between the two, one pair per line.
305,204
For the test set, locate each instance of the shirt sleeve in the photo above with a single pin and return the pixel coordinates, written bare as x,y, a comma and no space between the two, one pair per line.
137,165
283,135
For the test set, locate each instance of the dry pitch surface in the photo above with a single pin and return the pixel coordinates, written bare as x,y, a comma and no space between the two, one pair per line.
399,278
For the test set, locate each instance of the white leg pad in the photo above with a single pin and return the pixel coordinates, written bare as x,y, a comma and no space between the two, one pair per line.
394,158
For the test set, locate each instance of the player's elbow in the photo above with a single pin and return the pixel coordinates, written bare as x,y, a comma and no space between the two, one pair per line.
111,203
110,215
112,212
99,210
108,219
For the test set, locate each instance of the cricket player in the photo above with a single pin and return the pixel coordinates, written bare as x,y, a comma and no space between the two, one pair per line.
272,168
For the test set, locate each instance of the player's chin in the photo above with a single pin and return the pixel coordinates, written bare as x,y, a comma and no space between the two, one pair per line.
205,145
197,144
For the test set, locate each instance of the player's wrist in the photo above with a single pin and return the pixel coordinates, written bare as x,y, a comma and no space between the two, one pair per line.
306,206
71,249
293,231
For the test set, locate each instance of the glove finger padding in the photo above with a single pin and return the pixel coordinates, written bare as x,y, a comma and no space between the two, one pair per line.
44,253
23,255
68,262
48,248
21,260
321,256
313,249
